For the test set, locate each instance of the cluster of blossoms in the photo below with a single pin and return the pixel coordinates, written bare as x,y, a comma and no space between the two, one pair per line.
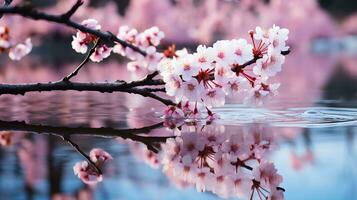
203,79
16,50
146,41
212,159
87,172
220,160
81,42
207,76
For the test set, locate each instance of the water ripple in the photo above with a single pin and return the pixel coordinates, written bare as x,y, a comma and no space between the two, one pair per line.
308,117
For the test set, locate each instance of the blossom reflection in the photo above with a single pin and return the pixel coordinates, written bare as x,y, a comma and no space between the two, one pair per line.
88,173
214,158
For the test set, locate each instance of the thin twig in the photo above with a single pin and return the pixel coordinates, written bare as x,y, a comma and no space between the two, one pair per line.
75,72
73,9
28,12
76,147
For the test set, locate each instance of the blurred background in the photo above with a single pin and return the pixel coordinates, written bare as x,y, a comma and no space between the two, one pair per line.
318,80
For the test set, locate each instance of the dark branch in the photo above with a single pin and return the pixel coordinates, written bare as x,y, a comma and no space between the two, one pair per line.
73,9
79,150
107,37
75,72
65,132
76,86
6,4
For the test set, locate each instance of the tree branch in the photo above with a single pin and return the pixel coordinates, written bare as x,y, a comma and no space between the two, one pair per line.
79,150
107,37
105,87
73,9
65,134
75,72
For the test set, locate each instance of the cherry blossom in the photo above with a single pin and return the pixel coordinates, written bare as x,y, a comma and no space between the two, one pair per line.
266,173
203,79
173,112
261,92
20,50
16,50
230,67
242,51
146,41
89,173
81,40
99,155
100,53
269,65
214,159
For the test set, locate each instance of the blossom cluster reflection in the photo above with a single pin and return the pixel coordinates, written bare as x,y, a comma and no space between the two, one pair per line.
88,173
213,158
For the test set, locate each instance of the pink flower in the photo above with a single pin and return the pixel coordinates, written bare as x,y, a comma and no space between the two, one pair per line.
174,87
235,86
202,57
79,44
214,97
99,156
221,163
241,185
236,147
267,175
185,169
204,179
192,144
192,90
20,50
100,53
87,173
81,40
173,112
278,37
138,69
222,74
242,51
151,36
171,151
91,23
261,92
152,58
185,67
222,185
222,52
269,65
